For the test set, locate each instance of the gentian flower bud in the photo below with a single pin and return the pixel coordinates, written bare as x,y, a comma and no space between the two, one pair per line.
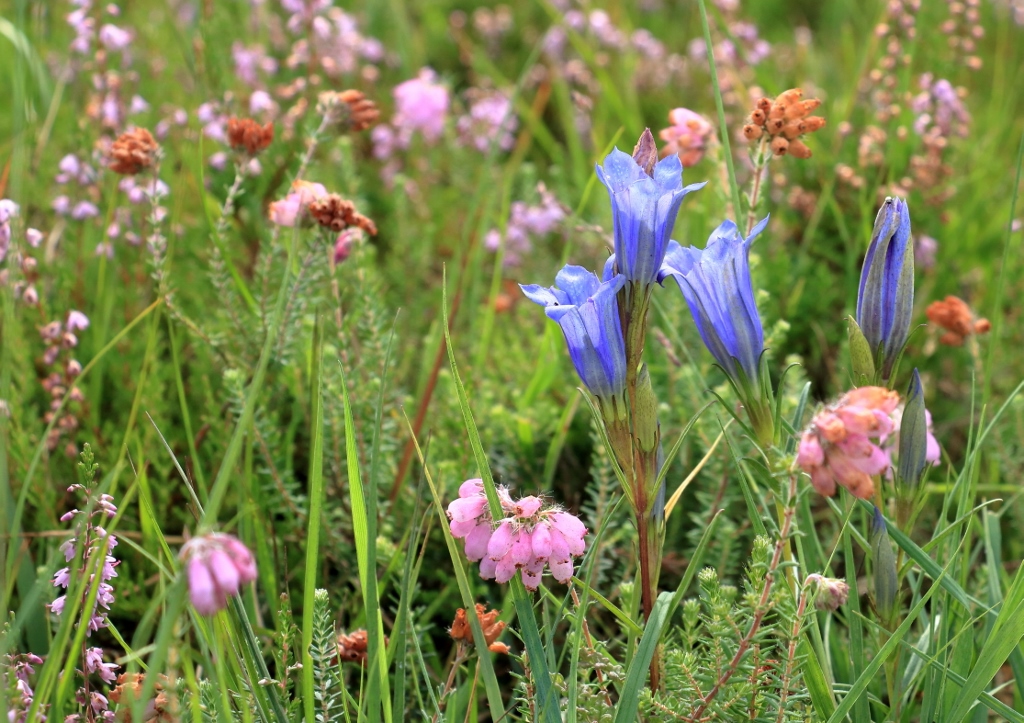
885,578
645,200
217,566
913,434
588,313
885,299
718,289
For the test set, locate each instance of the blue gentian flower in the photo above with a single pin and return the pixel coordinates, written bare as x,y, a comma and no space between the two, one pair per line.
644,209
885,299
588,312
716,284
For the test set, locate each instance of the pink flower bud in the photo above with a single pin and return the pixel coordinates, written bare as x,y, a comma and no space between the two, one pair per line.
528,506
522,548
542,542
501,541
471,487
477,541
217,566
467,508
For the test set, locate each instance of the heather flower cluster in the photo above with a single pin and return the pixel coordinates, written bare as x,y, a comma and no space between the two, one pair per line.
19,692
526,222
421,108
490,121
60,339
217,566
842,443
95,545
688,136
531,535
955,317
782,122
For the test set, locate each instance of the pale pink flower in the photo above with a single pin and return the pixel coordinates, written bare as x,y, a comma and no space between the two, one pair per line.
34,237
217,566
421,104
688,136
288,210
114,38
77,321
839,446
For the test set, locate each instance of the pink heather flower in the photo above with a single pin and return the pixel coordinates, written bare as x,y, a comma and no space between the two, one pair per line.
94,664
688,136
526,222
77,321
115,39
34,237
491,120
218,161
30,296
138,105
289,209
528,539
343,246
421,104
261,102
925,249
217,566
838,445
84,210
61,205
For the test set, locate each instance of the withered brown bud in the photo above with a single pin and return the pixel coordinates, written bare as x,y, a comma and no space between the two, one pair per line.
492,628
764,105
792,129
352,647
813,123
982,326
133,152
645,153
752,132
351,106
798,149
337,214
757,117
245,134
779,146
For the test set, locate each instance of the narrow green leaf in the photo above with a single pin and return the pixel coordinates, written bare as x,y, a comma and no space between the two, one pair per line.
316,500
626,710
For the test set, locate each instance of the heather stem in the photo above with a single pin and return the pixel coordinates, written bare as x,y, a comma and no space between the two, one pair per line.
761,159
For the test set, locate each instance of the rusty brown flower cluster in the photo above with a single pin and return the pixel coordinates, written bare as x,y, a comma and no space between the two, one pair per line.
133,152
162,709
955,316
245,134
350,107
352,647
783,121
337,214
492,628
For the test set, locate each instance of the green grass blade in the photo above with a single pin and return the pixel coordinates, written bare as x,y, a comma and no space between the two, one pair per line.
316,501
626,710
545,695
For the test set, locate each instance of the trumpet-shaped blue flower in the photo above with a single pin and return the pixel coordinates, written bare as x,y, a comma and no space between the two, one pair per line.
716,284
885,299
644,210
586,309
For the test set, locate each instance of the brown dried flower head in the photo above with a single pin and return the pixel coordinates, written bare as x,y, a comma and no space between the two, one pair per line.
245,134
338,214
352,647
955,316
350,107
162,709
133,152
783,121
492,628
